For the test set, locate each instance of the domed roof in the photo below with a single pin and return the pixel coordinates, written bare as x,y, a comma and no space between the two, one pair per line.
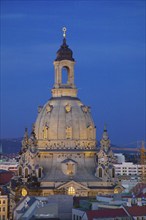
65,123
64,53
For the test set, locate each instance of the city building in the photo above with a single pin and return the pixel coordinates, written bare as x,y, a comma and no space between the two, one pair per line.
137,212
139,190
110,214
9,165
128,168
3,205
124,206
5,177
61,155
51,207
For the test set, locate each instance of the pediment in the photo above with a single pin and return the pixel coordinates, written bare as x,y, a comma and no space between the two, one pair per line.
101,153
74,184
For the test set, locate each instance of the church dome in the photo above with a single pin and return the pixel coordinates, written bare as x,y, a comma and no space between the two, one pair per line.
65,123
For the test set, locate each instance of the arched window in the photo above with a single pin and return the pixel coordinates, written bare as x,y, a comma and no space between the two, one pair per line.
26,172
20,171
65,75
40,173
113,172
71,190
100,172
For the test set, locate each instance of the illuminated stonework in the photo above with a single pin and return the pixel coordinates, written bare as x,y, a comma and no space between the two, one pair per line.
61,155
68,107
24,192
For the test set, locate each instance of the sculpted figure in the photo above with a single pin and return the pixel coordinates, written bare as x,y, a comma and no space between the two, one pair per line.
68,108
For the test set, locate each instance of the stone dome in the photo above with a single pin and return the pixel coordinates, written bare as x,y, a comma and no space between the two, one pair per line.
65,123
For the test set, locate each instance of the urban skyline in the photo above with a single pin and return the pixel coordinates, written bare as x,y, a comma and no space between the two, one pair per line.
108,47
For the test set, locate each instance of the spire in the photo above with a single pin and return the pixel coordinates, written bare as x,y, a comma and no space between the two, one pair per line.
32,139
64,53
105,134
25,140
26,134
105,141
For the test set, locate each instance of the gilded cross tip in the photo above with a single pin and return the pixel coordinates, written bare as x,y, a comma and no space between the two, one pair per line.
64,31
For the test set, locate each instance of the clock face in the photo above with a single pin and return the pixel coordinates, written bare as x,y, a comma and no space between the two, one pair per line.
23,192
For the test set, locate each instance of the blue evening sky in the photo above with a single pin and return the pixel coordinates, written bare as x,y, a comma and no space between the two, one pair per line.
108,42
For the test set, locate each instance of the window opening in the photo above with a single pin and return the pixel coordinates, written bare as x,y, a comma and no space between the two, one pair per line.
71,190
40,173
64,75
100,172
20,171
26,172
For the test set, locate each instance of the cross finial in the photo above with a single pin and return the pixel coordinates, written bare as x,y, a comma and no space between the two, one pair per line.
64,31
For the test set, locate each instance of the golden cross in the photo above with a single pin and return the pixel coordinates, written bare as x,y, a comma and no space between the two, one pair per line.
64,31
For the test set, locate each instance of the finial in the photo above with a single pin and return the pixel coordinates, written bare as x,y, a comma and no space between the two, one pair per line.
64,31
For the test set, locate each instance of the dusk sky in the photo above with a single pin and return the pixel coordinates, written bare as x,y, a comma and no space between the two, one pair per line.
108,43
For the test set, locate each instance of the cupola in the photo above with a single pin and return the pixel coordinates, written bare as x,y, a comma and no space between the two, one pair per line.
64,62
64,53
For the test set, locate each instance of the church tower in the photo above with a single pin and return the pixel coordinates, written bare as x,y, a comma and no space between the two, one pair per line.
60,156
64,62
105,169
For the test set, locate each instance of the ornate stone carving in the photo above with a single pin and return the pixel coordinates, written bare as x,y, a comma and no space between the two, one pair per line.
68,108
69,132
85,108
49,108
69,166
